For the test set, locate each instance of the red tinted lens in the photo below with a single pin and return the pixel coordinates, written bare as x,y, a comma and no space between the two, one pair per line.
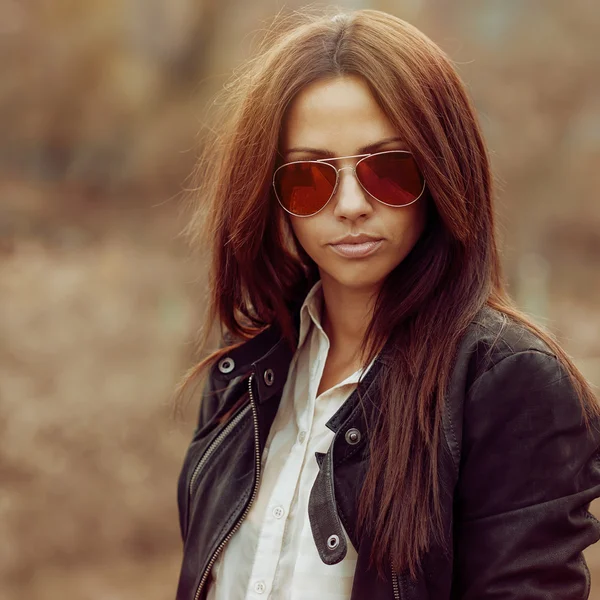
391,177
303,188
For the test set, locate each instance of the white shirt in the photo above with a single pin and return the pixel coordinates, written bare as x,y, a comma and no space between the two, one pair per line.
273,555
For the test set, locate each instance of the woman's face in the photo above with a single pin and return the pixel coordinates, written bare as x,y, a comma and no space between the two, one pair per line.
340,117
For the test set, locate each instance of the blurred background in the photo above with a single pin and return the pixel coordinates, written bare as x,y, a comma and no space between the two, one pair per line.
101,105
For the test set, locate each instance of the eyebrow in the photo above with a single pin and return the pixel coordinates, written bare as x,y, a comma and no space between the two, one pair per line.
364,150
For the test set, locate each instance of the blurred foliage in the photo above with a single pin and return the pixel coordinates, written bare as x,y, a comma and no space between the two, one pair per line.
101,105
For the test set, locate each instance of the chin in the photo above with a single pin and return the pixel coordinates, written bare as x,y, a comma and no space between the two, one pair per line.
359,279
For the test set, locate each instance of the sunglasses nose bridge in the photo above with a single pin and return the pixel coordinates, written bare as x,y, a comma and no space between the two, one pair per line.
349,167
352,207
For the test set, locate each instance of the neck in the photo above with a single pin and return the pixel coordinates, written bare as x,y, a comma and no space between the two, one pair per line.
347,313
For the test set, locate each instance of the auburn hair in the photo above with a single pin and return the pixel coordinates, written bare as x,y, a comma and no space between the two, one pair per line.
259,270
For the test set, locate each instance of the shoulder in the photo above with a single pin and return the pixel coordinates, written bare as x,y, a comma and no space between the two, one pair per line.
504,357
520,421
507,385
494,337
501,355
514,374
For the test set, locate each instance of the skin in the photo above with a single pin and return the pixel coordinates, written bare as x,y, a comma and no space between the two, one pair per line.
340,117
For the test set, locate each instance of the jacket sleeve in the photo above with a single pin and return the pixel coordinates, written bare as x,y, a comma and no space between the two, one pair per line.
529,469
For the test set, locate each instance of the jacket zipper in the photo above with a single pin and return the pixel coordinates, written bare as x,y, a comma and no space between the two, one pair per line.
395,585
254,490
211,450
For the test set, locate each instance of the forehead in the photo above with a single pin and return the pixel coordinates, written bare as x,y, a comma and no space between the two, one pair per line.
340,114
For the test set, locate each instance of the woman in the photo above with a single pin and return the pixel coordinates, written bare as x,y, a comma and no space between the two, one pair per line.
381,422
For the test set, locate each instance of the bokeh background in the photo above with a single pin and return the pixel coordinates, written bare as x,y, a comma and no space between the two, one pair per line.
102,110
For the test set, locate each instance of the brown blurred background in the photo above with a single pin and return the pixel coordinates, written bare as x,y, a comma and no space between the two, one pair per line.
101,105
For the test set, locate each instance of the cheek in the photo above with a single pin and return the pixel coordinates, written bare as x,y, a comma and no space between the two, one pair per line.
306,231
408,224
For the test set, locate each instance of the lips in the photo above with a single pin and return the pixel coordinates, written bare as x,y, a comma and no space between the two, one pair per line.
356,246
357,239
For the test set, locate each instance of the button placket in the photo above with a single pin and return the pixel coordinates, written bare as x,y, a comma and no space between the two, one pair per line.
282,504
279,508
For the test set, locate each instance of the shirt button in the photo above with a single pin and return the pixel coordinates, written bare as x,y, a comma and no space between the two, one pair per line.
260,587
278,512
302,437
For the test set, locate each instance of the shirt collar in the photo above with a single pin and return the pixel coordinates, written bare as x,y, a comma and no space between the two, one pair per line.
311,311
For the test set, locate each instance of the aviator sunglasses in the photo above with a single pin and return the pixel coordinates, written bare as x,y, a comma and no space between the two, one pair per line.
304,187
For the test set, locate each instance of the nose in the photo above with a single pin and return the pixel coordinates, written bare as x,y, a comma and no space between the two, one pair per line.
350,201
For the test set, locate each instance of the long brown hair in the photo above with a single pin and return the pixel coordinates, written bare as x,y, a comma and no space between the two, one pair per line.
259,270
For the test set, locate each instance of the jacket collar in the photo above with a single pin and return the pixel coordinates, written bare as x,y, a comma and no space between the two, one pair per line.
268,354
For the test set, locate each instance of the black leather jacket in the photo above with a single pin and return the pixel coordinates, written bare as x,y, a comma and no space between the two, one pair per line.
518,470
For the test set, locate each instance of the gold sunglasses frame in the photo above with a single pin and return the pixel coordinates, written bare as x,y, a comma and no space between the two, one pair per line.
337,178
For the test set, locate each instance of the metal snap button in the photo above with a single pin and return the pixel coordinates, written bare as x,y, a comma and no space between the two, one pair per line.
333,541
353,436
226,365
269,377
